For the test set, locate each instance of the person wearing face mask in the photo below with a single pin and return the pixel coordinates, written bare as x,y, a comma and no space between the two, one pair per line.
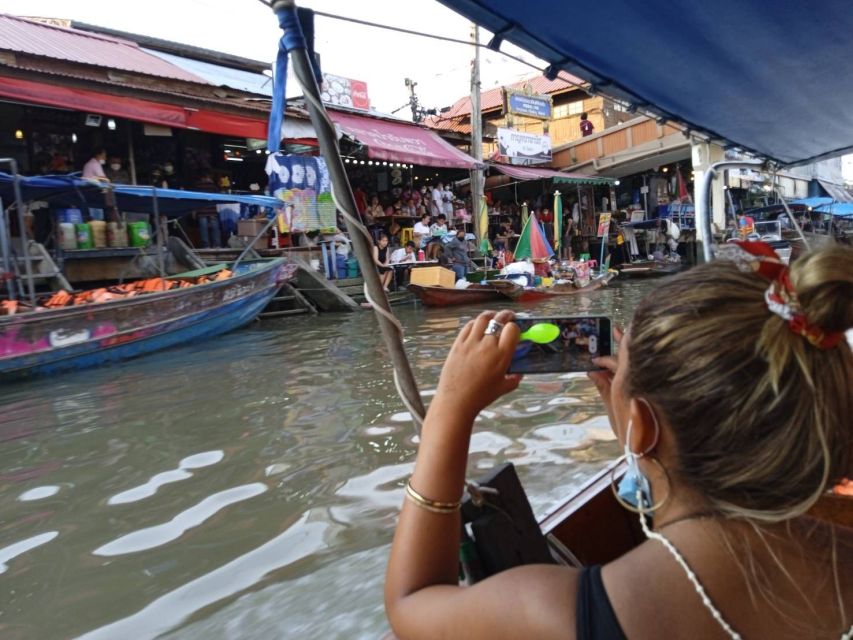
170,180
116,173
457,251
94,168
730,395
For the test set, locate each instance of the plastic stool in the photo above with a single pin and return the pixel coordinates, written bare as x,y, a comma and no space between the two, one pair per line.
407,234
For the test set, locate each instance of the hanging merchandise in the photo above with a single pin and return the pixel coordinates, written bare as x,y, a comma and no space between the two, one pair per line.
302,183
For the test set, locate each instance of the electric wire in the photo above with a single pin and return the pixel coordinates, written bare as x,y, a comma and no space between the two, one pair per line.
422,34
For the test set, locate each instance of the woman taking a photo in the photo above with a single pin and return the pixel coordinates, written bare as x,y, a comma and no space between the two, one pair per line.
732,396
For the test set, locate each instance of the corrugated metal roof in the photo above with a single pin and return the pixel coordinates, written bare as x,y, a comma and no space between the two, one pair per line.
38,39
220,75
491,99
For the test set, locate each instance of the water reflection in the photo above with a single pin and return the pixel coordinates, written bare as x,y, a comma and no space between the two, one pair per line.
248,487
197,461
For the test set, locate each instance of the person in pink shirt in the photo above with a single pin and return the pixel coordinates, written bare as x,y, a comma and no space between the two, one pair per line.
94,168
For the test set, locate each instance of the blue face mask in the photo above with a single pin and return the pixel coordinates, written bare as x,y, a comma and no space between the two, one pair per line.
634,482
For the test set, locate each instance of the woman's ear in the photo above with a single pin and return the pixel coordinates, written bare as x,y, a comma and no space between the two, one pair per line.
645,433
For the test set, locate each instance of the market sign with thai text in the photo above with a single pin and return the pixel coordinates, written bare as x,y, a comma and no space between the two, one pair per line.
532,147
522,103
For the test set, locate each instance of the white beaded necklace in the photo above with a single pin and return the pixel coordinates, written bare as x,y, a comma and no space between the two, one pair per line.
654,535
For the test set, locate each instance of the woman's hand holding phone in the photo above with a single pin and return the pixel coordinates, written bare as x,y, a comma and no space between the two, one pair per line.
474,374
603,379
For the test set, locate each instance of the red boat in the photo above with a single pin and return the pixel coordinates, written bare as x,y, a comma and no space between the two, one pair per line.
473,294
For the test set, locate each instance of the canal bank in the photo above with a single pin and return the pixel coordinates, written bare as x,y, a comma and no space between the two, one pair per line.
247,487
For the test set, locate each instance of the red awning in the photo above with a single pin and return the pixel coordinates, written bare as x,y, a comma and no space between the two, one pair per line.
168,115
401,142
227,124
93,102
531,173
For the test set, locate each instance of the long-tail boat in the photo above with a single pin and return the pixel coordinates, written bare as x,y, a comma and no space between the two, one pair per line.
61,330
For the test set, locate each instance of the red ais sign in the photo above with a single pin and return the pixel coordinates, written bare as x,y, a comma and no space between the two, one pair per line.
345,92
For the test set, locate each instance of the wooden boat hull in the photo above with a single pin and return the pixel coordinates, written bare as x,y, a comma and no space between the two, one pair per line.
541,293
597,529
445,297
649,269
50,341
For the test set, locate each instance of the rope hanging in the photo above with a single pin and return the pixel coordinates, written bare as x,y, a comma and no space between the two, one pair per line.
291,21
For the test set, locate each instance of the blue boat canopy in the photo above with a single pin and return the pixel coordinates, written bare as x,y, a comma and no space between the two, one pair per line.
71,192
814,201
772,78
840,209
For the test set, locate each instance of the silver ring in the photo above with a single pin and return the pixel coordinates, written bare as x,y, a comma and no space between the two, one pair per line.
493,328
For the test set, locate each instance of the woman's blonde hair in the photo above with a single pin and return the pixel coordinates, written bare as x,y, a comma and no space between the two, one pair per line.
763,420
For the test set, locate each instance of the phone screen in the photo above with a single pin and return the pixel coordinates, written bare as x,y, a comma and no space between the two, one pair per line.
565,344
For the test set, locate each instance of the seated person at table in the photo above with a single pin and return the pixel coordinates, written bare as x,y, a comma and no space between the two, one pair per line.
422,231
404,255
504,233
437,231
409,209
380,259
374,210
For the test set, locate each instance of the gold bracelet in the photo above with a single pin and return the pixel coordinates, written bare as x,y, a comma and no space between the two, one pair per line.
431,505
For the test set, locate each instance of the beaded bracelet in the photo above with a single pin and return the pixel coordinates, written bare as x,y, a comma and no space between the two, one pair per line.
431,505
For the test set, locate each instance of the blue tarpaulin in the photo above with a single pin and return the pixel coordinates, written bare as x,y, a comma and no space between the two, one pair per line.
68,191
774,78
814,201
841,209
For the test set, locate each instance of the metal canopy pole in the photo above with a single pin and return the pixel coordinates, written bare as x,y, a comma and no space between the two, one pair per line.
22,229
8,274
161,266
344,199
703,218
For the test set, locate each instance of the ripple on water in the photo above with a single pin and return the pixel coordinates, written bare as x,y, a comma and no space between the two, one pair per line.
21,547
196,461
194,516
39,493
305,406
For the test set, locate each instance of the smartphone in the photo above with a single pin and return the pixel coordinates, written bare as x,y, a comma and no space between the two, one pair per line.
561,344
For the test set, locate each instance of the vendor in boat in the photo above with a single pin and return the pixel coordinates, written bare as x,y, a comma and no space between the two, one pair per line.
457,250
731,399
382,262
745,224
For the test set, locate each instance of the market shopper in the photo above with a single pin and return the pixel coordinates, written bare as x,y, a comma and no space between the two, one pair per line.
380,259
436,194
725,452
586,126
405,255
208,217
94,168
421,231
115,171
437,231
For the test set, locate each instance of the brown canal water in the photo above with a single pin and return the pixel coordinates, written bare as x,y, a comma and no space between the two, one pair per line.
248,486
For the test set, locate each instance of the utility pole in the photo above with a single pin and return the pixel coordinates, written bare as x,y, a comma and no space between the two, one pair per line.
477,179
413,100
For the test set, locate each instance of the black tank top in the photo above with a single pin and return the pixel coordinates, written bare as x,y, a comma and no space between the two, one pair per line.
596,619
383,253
